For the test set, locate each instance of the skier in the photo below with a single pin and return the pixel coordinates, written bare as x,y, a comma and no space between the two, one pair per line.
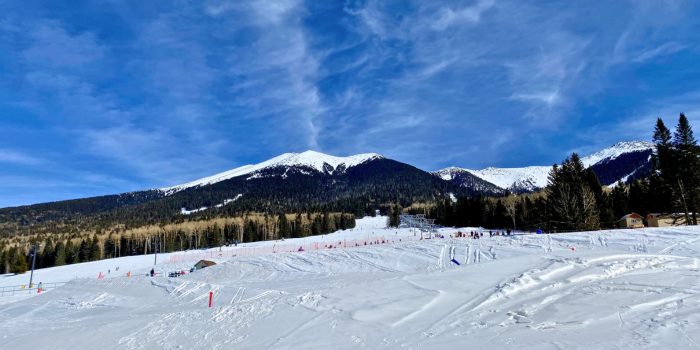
152,272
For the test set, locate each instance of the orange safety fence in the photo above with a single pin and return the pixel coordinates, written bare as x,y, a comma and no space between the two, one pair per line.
286,248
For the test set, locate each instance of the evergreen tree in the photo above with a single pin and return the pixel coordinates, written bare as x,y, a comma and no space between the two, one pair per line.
394,217
47,255
203,243
326,223
604,205
19,263
317,227
217,239
60,258
571,203
688,169
298,229
95,249
620,200
663,175
284,227
4,259
85,251
359,211
639,201
69,252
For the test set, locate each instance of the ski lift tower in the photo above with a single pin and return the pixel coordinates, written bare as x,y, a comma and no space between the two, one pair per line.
418,221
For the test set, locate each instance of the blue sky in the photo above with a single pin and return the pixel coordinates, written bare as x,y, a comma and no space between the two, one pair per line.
102,97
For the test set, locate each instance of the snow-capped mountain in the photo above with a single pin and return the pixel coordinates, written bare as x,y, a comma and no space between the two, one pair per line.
309,160
617,150
468,179
515,179
622,160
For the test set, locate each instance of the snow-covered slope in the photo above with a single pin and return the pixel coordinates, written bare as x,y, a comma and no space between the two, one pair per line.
616,151
467,179
311,159
535,177
611,289
529,178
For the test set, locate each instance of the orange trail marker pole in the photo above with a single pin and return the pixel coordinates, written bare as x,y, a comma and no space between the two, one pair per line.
211,294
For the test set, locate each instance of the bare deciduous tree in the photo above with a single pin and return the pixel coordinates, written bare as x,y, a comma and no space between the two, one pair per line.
589,209
511,204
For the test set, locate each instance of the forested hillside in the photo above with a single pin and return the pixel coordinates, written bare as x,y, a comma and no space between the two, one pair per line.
305,193
636,165
271,191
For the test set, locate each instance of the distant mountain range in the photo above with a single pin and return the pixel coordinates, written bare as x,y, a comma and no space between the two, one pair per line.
315,181
624,161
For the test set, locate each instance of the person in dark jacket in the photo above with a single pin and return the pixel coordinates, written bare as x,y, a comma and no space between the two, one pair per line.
152,272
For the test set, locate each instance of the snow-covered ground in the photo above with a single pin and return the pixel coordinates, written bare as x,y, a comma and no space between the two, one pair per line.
616,289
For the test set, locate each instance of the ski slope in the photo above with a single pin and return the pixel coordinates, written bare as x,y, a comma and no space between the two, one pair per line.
616,289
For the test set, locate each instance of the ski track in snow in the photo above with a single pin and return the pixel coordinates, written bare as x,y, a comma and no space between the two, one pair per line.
617,289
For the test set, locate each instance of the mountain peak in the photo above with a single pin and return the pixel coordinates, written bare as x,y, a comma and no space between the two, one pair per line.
312,159
616,150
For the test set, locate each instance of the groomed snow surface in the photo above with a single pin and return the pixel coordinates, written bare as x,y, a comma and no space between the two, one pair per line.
616,289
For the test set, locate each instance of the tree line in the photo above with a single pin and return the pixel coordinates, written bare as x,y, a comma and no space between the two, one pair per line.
575,200
59,252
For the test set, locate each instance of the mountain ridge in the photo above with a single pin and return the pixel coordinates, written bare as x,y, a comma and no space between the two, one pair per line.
311,159
532,178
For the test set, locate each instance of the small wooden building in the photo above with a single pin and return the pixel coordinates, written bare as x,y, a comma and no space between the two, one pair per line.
659,220
633,220
204,263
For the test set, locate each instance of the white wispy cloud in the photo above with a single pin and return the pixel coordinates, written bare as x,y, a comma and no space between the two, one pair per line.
665,49
449,17
152,154
51,44
12,156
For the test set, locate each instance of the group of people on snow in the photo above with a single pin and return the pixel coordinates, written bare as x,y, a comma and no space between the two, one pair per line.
478,235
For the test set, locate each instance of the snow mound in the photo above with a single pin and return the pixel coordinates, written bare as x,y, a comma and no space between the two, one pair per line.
310,159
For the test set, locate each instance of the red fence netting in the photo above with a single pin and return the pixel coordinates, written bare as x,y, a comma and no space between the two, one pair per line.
285,248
